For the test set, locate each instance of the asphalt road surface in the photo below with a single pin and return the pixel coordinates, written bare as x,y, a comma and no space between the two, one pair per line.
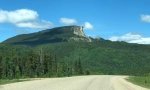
93,82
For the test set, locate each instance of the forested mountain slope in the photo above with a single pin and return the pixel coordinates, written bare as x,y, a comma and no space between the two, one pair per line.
66,51
74,58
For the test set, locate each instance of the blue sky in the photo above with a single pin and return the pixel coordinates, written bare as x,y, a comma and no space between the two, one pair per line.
117,20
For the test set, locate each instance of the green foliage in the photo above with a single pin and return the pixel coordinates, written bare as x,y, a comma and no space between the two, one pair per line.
8,81
74,58
143,81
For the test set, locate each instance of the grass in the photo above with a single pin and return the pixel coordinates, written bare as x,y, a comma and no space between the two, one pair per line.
143,81
7,81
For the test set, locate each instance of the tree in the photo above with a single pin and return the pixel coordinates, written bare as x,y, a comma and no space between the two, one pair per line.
87,72
6,68
45,64
78,67
1,68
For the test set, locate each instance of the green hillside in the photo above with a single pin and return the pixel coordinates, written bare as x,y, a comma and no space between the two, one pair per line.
54,35
74,58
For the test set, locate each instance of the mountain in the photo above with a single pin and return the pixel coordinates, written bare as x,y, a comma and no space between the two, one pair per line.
65,51
58,34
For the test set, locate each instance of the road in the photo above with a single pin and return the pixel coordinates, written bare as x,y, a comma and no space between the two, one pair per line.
93,82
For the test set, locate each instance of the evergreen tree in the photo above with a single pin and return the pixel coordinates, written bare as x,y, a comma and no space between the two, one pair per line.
80,68
45,64
1,68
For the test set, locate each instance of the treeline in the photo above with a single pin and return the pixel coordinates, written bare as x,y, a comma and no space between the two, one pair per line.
37,64
74,58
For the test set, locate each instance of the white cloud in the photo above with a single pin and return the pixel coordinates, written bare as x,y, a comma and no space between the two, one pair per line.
68,21
131,38
88,25
16,16
23,18
145,18
35,24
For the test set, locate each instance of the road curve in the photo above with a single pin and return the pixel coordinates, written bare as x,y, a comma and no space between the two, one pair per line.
93,82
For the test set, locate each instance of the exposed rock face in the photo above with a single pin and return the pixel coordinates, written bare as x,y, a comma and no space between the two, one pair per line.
76,30
75,33
59,34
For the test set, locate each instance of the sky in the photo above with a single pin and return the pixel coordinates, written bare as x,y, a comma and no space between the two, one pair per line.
115,20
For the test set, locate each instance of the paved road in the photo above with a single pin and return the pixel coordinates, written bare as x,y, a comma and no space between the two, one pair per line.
94,82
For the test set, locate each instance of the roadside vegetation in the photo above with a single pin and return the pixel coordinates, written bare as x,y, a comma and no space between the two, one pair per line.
73,58
143,81
8,81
